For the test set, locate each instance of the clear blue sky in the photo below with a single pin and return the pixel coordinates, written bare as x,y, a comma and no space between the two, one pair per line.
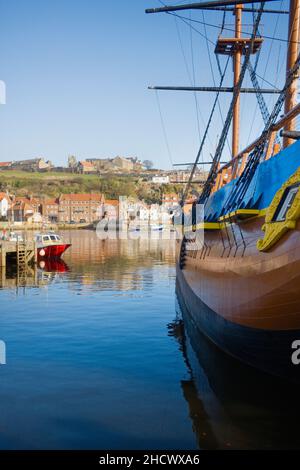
77,73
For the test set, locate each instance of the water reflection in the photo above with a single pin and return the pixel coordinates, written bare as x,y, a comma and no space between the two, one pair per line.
89,363
116,264
32,276
232,405
95,264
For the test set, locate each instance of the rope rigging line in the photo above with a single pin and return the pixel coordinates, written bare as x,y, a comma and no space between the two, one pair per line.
265,69
198,110
163,128
214,44
277,106
194,81
255,157
289,42
214,168
188,23
272,38
260,98
221,31
210,25
204,136
213,76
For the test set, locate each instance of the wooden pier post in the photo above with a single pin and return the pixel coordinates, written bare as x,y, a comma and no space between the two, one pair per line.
3,257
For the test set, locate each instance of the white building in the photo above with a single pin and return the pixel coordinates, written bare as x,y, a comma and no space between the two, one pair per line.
132,210
4,205
161,179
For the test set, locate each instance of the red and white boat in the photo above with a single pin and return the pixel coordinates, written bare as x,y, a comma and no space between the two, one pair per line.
50,245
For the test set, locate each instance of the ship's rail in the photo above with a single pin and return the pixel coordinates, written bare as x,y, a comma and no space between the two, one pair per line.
235,167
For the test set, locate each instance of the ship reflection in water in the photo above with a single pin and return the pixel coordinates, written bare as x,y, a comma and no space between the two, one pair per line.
230,404
92,362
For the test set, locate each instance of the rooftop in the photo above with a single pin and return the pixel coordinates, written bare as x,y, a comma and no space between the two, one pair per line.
82,197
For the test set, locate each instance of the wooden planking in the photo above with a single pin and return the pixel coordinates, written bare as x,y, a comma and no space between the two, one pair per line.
243,285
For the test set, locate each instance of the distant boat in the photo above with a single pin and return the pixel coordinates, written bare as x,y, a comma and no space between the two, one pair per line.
145,227
50,245
156,227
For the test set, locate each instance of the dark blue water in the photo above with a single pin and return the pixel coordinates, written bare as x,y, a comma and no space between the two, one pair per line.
99,356
89,360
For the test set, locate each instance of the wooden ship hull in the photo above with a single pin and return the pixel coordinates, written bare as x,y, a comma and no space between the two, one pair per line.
247,302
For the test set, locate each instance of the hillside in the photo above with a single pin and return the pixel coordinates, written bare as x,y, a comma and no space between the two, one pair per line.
53,184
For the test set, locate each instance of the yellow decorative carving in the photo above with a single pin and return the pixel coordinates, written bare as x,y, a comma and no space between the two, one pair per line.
275,230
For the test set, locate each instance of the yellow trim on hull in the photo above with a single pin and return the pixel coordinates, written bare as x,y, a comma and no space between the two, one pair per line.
274,229
240,214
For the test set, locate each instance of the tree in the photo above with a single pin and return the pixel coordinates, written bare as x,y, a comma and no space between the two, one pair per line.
148,164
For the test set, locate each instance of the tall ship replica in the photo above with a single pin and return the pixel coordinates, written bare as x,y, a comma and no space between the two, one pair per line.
241,284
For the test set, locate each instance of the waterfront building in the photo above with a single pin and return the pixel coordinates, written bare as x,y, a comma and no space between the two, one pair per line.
80,208
111,209
25,209
50,209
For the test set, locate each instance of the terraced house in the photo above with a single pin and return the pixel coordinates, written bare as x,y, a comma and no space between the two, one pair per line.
25,209
50,209
74,208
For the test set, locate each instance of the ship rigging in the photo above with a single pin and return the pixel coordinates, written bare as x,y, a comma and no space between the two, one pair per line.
236,47
241,284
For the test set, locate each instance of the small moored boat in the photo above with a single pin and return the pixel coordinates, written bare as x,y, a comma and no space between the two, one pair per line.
50,245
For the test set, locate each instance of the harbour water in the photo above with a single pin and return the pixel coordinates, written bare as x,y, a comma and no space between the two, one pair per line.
100,356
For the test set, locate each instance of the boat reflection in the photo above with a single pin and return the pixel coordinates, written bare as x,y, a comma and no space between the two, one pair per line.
232,405
54,265
33,276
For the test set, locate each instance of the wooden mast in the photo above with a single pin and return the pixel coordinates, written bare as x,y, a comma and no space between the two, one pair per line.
235,47
237,71
293,38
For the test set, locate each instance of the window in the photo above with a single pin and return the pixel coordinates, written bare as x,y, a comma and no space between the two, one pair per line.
53,238
286,203
46,238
